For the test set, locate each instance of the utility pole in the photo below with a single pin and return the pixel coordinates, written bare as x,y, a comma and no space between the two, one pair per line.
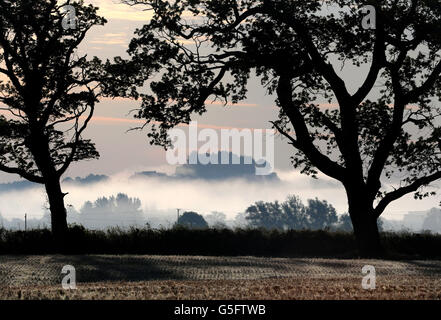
26,221
177,221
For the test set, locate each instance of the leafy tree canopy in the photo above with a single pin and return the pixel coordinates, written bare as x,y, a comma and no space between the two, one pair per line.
291,214
192,220
48,92
387,128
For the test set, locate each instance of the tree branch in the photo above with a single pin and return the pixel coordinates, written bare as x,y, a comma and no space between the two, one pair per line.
77,138
379,59
304,141
22,173
413,95
386,145
394,195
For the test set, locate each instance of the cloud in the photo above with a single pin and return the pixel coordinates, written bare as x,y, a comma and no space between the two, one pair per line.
112,39
112,42
115,35
114,9
140,122
219,103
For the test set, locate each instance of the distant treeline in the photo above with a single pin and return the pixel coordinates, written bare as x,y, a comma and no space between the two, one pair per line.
215,242
292,214
124,211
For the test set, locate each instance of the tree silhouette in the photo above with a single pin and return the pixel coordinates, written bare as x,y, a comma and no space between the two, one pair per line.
320,214
433,221
192,220
344,223
384,129
120,210
291,214
48,93
216,220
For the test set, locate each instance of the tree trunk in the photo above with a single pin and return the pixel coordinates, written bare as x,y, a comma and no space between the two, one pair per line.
366,232
364,221
57,208
40,148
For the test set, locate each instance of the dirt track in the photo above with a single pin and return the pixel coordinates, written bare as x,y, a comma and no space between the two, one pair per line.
167,277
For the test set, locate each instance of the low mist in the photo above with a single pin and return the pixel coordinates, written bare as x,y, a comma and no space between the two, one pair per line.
161,196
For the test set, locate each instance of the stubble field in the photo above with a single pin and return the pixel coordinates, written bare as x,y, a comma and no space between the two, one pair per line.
194,277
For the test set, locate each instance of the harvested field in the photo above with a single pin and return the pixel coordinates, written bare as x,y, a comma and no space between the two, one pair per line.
265,289
193,277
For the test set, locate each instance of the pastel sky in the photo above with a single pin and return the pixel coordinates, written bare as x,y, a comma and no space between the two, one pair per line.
122,151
